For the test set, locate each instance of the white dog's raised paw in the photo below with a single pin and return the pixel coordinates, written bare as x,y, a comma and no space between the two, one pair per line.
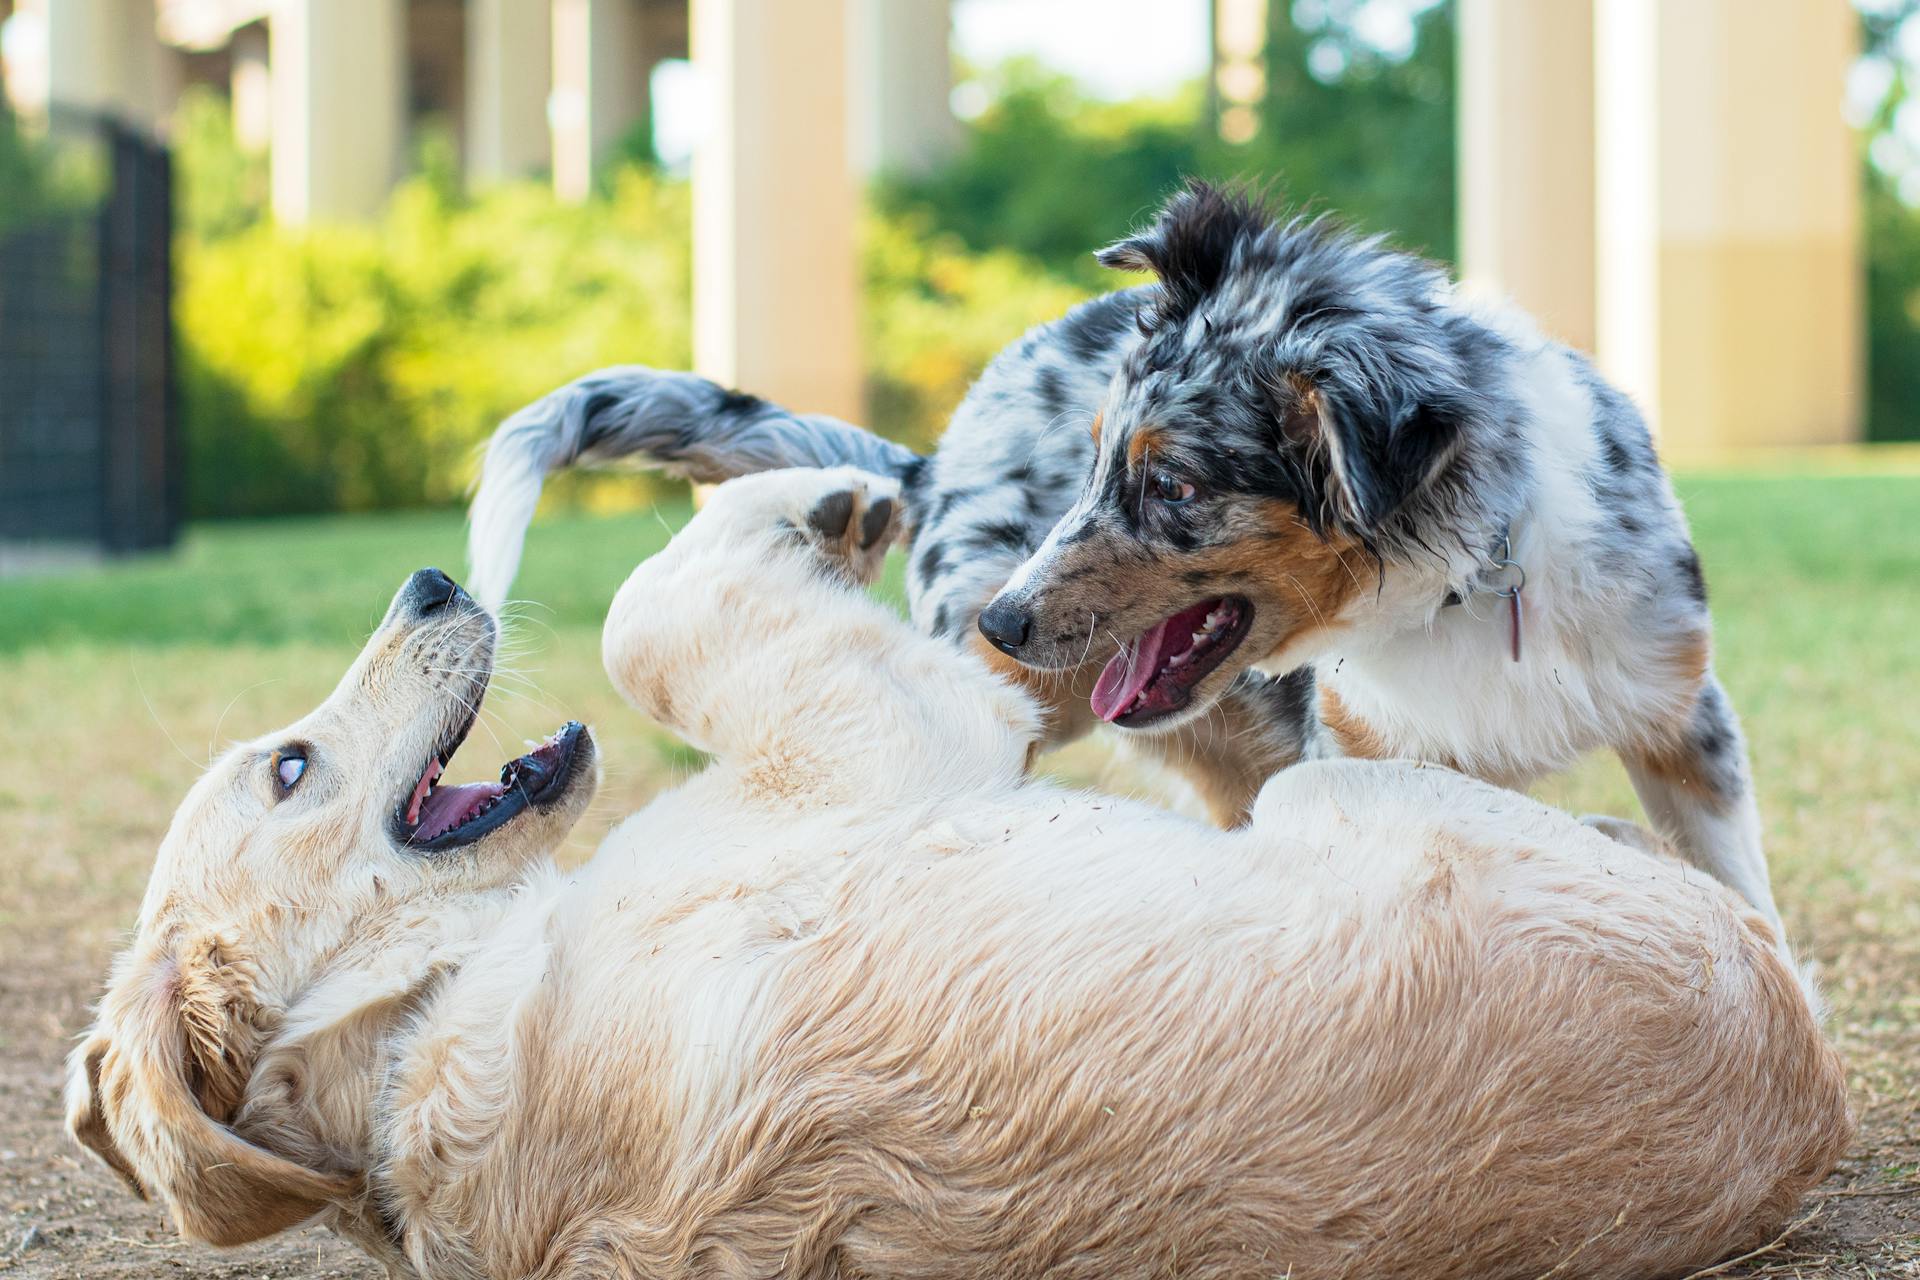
846,517
852,522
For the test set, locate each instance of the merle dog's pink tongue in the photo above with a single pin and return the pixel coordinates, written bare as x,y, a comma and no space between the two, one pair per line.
1130,670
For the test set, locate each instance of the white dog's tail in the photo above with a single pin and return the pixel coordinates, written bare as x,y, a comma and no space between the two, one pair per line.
679,423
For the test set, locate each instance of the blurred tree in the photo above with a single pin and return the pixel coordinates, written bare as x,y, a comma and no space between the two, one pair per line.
1362,131
1885,103
1346,126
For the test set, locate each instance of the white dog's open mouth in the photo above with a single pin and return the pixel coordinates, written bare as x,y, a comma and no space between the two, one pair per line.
432,817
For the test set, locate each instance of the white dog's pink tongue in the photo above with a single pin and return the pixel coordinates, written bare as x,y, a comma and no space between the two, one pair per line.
1131,670
450,806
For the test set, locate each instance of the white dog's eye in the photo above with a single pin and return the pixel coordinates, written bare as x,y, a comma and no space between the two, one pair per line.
289,768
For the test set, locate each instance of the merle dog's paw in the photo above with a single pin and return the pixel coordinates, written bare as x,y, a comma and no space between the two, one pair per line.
846,517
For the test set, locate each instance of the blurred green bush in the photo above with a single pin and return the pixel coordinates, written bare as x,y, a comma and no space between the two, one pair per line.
357,367
350,368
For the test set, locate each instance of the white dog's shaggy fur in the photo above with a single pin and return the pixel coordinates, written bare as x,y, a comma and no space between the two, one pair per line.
862,999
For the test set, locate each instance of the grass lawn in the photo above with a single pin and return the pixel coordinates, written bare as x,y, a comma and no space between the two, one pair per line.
116,683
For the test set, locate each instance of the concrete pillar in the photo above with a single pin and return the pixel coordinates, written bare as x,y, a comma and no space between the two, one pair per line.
1729,289
604,52
775,210
1239,82
339,106
98,55
250,80
903,67
1526,148
509,74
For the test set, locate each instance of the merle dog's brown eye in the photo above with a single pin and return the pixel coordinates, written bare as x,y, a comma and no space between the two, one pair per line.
1170,489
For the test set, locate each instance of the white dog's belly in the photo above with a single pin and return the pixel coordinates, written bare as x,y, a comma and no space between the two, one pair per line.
1065,1034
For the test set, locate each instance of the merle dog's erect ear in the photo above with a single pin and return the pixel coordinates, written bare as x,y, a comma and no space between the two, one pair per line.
1191,242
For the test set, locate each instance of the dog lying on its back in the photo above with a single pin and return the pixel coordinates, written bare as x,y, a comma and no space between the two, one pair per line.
863,1000
1265,510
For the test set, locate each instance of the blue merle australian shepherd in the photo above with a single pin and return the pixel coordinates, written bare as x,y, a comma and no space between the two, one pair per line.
1296,499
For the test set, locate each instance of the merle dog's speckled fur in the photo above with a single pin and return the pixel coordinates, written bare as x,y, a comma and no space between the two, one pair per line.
1360,442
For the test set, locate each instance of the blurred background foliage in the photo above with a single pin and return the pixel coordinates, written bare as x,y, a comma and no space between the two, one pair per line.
357,367
354,368
1047,172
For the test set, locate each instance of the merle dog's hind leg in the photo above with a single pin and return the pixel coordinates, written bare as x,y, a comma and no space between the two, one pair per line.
1698,793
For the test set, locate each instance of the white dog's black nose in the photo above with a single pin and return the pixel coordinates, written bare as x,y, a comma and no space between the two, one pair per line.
1006,624
430,590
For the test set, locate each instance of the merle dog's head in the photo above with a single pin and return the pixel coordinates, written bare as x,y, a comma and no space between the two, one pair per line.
1260,460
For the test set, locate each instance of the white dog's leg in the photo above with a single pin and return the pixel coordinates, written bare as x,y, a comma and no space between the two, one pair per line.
750,637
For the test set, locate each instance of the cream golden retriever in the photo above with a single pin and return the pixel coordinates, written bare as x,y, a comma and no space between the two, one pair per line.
863,999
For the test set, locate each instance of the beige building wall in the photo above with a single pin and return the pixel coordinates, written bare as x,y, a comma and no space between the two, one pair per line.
775,208
1526,157
1729,294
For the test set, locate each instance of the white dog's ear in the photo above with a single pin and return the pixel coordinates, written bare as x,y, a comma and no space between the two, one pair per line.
86,1122
151,1090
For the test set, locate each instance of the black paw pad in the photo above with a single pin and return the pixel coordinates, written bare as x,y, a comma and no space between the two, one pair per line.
831,514
874,523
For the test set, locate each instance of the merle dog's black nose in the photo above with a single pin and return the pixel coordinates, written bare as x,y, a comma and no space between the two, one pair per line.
1006,624
430,590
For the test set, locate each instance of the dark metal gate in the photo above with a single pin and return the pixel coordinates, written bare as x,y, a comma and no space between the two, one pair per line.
89,440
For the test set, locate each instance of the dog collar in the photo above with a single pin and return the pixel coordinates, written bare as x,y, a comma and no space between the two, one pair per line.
1507,579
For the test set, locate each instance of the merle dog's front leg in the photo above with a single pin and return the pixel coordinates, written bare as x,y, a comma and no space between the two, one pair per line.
1698,792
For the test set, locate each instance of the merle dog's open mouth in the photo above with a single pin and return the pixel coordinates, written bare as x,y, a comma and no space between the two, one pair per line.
1154,676
432,817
